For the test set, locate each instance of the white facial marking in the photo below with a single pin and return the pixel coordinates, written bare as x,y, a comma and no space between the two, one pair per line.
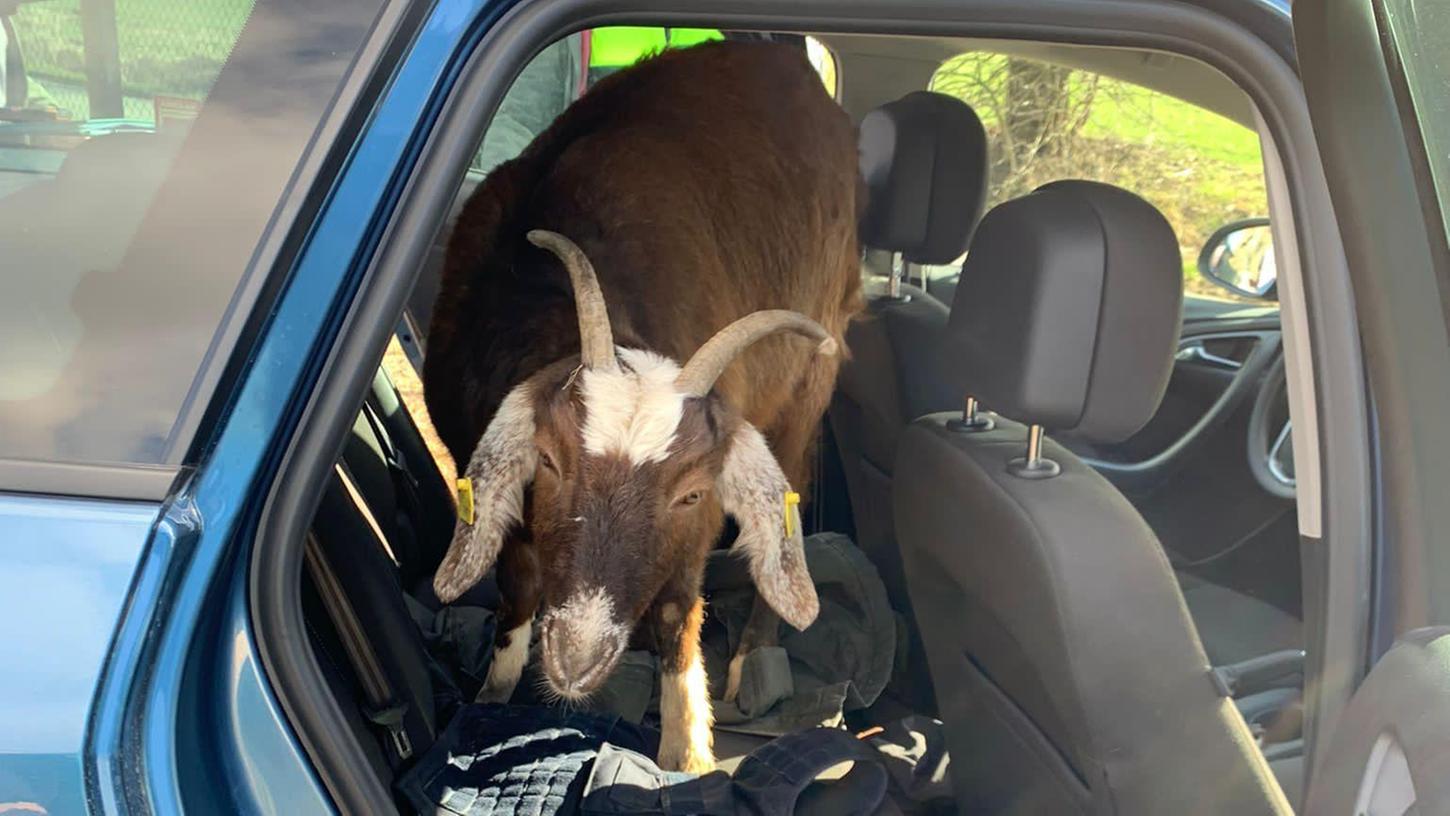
507,666
634,410
686,743
589,618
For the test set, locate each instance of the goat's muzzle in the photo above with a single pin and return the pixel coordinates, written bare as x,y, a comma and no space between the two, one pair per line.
581,644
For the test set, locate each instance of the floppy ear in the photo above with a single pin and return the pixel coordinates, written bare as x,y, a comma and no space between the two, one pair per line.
753,489
502,466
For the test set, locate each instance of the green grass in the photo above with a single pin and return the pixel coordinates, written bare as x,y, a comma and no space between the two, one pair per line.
171,47
1135,114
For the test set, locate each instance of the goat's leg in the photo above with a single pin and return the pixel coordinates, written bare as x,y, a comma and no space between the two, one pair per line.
686,742
520,587
762,629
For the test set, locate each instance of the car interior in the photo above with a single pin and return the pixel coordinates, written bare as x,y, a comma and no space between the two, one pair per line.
1057,593
1166,539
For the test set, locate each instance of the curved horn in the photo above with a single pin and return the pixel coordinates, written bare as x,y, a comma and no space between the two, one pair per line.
710,361
596,339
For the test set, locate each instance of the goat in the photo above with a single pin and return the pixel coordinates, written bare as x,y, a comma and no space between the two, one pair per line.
716,191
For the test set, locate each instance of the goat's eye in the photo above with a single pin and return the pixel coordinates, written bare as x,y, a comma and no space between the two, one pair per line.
693,497
548,462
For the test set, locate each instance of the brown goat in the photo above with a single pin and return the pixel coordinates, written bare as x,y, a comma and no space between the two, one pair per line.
705,191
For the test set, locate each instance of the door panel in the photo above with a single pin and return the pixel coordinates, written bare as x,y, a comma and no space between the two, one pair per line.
1391,747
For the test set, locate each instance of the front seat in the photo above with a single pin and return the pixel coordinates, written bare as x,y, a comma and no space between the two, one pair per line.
1067,669
924,160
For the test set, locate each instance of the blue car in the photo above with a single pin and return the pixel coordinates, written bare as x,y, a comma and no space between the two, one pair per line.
222,503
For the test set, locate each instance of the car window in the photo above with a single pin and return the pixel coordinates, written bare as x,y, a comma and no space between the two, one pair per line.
1421,31
547,85
144,146
565,69
1047,122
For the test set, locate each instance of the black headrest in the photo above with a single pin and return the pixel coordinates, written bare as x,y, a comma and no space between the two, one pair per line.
924,160
1068,310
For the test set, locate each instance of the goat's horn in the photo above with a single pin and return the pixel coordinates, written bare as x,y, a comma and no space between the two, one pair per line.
710,361
596,339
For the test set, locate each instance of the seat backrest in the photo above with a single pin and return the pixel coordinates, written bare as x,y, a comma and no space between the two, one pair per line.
1067,668
924,160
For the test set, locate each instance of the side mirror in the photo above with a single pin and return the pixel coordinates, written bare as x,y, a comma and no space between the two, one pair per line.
1240,258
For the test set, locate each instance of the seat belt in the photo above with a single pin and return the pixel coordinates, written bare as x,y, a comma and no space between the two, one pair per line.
382,705
405,485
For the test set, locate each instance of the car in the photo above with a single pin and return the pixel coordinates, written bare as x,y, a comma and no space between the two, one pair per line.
221,231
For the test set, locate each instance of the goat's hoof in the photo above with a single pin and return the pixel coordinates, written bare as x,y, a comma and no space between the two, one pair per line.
494,694
732,678
678,758
497,688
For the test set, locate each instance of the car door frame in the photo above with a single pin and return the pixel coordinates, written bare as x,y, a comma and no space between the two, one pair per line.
1246,41
1399,261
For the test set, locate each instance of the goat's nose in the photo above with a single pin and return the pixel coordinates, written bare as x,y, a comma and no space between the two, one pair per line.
580,650
580,666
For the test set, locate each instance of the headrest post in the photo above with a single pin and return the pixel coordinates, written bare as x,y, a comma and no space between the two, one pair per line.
973,420
893,282
1034,445
1034,465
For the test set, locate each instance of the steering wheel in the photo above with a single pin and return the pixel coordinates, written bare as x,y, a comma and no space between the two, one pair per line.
1153,470
1270,442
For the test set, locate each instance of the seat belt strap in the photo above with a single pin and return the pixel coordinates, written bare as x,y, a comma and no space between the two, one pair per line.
410,506
382,706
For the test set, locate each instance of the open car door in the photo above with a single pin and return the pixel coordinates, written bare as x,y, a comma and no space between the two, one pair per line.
1377,78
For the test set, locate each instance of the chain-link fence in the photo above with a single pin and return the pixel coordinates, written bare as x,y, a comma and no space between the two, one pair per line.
124,53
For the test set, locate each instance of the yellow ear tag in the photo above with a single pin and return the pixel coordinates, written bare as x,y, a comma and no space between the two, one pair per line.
465,500
792,500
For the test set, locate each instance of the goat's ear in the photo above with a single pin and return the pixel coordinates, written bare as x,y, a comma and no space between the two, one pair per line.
502,466
753,489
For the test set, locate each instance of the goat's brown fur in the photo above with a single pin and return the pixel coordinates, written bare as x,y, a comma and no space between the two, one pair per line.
703,184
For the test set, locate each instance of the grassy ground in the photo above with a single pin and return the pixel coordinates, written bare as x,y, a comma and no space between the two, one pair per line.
167,47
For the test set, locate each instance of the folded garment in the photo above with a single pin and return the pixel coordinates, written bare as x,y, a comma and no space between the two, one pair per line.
914,750
777,779
839,663
496,760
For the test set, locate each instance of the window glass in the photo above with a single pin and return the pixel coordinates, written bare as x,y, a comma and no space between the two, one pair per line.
1421,31
564,70
144,145
547,85
1047,122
